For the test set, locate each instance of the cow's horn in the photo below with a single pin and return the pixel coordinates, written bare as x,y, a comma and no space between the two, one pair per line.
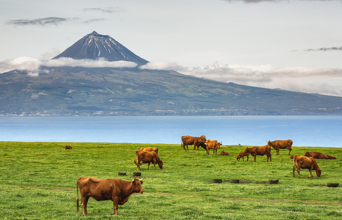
142,178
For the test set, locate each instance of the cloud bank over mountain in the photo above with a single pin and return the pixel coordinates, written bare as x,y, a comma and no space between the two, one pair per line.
32,65
308,80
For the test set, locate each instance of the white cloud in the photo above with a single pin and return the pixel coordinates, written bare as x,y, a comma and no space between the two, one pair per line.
32,64
20,63
309,80
88,63
162,65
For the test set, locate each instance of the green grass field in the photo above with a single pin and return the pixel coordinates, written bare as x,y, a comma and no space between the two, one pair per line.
38,181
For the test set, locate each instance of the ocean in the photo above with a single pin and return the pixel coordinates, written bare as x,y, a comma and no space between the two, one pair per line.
312,131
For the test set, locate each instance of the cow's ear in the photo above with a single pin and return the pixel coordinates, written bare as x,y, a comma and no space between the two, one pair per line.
141,182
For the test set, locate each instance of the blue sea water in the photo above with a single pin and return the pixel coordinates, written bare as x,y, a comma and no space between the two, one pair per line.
322,131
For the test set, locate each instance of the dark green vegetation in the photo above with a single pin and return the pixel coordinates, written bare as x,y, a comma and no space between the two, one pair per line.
110,91
38,181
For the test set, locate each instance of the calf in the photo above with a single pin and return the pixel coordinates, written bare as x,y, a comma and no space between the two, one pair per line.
263,150
116,190
224,153
242,154
214,145
318,155
147,157
305,163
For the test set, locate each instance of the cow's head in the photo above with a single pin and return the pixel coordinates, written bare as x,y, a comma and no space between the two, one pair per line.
319,172
307,154
269,143
137,185
160,164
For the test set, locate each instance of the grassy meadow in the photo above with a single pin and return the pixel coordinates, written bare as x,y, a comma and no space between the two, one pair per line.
38,181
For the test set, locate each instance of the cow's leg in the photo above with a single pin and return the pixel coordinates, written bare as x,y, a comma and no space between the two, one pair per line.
298,170
311,168
289,151
255,158
148,165
278,152
115,205
293,171
84,202
247,157
195,146
154,162
138,166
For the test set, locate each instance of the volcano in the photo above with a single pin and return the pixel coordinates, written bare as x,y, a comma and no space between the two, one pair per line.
95,46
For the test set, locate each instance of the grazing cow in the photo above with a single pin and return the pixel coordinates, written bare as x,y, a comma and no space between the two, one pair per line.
196,141
147,157
242,154
318,155
285,144
224,153
263,150
68,147
305,163
214,145
149,149
116,190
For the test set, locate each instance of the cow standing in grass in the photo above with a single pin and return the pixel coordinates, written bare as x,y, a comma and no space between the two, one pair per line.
305,163
147,157
263,150
116,190
277,144
214,145
196,141
242,154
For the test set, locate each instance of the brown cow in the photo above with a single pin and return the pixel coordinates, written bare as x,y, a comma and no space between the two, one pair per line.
149,149
196,141
277,144
318,155
224,153
242,154
116,190
263,150
147,157
305,163
214,145
68,147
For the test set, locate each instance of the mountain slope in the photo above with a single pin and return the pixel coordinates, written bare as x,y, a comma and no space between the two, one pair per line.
110,91
94,46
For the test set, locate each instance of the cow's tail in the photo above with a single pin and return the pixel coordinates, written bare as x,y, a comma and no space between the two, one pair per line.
295,159
77,203
331,157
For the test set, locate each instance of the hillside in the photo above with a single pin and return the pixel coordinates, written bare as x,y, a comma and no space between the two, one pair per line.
132,91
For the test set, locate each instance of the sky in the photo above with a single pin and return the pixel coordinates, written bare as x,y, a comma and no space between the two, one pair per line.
293,45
